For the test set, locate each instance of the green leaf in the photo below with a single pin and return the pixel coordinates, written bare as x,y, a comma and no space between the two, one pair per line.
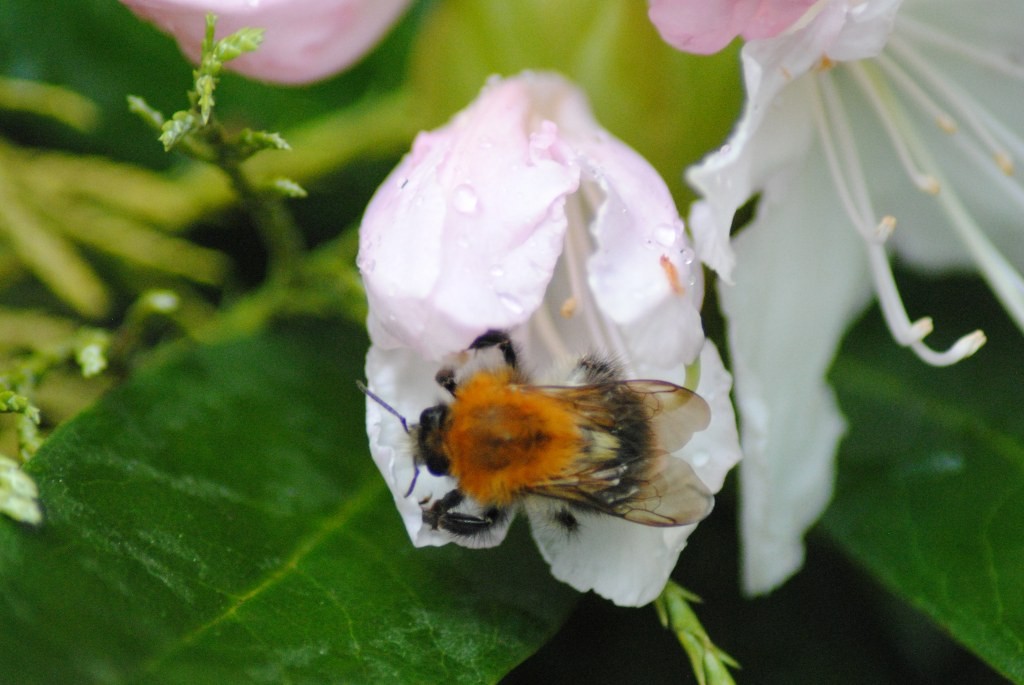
930,493
218,520
175,130
238,43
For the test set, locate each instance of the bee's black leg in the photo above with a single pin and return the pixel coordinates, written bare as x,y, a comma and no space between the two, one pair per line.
439,515
499,339
446,379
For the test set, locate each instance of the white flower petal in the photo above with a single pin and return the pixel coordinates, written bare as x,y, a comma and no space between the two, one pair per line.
713,451
619,560
863,28
626,562
800,280
772,134
642,271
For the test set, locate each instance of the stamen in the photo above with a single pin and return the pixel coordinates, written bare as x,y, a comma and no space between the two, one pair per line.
941,39
960,350
1004,279
542,323
853,183
1009,138
917,94
900,326
577,246
821,119
885,228
574,248
880,99
672,274
568,308
967,108
1008,184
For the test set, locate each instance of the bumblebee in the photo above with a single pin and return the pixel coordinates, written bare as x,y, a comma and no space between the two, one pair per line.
599,444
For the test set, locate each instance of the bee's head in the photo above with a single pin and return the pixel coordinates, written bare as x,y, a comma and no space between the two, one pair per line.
429,435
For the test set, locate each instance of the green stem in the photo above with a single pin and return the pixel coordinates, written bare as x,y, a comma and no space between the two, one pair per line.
710,664
383,126
273,222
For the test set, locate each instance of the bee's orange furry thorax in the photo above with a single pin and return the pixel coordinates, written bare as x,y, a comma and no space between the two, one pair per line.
503,437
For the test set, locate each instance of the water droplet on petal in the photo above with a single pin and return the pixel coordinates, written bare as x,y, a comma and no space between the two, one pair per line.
545,137
464,198
665,234
688,256
511,303
699,459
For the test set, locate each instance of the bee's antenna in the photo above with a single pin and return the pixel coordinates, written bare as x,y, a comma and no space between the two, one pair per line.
412,485
391,410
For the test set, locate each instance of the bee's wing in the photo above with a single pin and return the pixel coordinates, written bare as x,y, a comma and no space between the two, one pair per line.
663,491
668,494
672,495
675,412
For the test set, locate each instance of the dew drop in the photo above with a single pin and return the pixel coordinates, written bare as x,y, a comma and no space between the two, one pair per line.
688,256
464,198
665,234
511,303
545,137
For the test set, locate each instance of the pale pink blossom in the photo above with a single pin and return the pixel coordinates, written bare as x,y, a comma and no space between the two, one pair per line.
304,40
524,214
707,26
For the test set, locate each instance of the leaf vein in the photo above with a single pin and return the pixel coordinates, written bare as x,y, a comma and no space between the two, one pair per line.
327,527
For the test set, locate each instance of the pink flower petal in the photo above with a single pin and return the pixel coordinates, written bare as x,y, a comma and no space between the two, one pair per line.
707,26
465,233
304,40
